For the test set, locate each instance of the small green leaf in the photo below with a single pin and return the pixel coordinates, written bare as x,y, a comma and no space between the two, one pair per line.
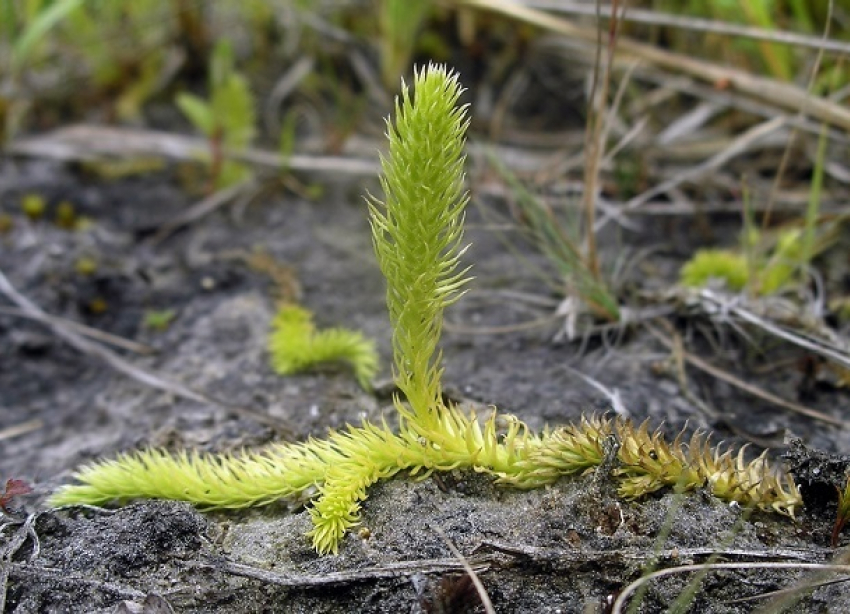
221,64
198,111
233,108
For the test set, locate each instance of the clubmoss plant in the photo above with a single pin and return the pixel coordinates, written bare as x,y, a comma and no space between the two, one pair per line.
778,270
417,232
295,345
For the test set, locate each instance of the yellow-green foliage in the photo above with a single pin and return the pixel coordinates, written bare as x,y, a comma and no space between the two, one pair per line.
764,274
418,228
417,232
345,464
399,22
721,264
646,462
295,346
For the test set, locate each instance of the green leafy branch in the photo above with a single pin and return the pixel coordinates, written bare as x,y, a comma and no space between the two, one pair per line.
417,232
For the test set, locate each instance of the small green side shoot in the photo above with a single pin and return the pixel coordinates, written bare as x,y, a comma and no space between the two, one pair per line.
772,265
295,345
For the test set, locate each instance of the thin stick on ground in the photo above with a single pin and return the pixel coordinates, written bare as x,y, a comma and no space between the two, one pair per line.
746,387
476,581
341,578
203,208
617,607
20,429
87,331
115,361
25,530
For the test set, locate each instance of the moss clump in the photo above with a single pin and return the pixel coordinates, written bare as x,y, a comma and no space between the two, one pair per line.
720,264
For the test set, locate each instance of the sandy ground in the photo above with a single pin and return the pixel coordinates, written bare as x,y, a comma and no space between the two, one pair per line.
566,548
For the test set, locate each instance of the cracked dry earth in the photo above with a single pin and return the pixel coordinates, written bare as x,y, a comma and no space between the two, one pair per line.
565,548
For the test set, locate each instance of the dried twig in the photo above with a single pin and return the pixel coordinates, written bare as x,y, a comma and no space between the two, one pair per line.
20,429
341,578
204,208
115,361
36,575
87,331
25,530
90,142
781,95
476,581
631,556
747,387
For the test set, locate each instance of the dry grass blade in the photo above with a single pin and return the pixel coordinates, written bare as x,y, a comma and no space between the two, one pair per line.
20,429
617,606
695,24
203,208
785,599
482,592
740,145
781,95
88,331
115,361
825,349
559,242
88,347
746,387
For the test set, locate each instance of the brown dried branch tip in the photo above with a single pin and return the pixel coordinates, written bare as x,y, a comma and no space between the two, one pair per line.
843,513
648,463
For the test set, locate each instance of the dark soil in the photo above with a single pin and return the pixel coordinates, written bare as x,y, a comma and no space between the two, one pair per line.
567,548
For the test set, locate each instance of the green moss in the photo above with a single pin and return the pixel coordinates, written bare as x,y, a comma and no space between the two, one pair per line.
719,264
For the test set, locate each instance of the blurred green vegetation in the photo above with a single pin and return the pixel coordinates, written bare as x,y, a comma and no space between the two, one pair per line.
220,64
124,54
227,119
781,61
